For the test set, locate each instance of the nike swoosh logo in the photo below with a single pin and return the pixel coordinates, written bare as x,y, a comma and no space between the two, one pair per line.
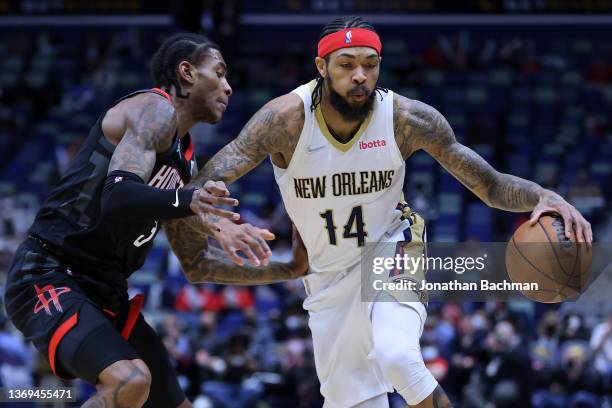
310,149
175,204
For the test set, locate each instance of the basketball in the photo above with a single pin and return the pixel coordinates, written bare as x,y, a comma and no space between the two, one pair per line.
542,254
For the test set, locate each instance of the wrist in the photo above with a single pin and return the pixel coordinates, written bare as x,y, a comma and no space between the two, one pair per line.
547,196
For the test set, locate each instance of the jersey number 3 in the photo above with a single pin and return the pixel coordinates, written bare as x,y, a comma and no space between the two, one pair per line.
143,239
354,227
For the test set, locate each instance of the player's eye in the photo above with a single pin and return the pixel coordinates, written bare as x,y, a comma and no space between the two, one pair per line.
345,65
220,74
370,66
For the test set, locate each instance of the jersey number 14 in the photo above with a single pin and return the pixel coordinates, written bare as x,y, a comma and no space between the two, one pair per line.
354,227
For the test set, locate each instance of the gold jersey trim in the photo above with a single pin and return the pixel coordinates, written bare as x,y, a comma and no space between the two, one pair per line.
343,147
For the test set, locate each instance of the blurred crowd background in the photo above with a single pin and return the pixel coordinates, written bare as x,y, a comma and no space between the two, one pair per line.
534,99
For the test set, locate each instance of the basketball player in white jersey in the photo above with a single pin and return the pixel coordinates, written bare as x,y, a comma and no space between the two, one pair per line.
338,147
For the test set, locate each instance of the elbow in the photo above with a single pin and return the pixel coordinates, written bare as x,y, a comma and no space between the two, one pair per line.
191,279
110,198
190,273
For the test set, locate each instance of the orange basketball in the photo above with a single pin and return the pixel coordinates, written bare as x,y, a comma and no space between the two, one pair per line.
542,254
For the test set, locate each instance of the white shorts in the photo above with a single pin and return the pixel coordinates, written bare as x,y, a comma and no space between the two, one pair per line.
342,337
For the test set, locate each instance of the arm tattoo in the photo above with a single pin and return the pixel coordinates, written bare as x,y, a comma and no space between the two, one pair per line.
214,266
203,263
150,130
275,128
419,126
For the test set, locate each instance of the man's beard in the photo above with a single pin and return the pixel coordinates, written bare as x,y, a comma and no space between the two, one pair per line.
346,110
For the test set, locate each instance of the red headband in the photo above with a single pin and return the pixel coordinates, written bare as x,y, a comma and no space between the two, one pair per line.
349,37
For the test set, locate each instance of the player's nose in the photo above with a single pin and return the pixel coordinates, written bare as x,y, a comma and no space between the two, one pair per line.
359,76
227,89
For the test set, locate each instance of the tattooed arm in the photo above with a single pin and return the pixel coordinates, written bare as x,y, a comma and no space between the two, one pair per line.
203,263
149,125
144,126
274,130
419,126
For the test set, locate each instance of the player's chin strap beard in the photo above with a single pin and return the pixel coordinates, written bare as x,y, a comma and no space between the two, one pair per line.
348,112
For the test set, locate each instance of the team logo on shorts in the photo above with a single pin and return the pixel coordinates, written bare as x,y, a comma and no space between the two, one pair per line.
54,294
348,37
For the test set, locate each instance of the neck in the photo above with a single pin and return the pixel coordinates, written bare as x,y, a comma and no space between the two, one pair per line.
184,118
340,128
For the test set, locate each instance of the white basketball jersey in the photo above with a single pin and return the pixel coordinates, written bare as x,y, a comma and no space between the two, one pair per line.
342,196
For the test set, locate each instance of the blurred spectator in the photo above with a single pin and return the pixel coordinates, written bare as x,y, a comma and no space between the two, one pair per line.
159,296
15,359
574,383
546,347
573,328
601,344
234,387
467,352
585,194
505,377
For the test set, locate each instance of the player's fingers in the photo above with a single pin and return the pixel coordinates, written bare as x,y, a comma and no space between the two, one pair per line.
579,231
259,247
214,200
262,235
203,208
265,234
589,233
232,252
578,225
535,216
237,259
246,250
568,222
217,188
585,226
230,215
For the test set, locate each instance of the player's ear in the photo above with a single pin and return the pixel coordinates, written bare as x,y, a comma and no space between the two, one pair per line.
320,64
186,72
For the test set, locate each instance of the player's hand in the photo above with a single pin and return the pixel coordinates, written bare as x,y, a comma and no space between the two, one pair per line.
244,238
572,219
300,256
206,201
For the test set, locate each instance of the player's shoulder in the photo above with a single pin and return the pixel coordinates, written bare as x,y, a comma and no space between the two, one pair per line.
287,105
289,109
402,104
413,112
151,104
145,113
